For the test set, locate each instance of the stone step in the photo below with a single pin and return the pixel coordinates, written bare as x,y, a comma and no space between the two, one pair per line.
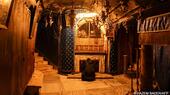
52,93
41,63
44,67
49,76
45,62
36,79
36,54
38,59
49,71
53,71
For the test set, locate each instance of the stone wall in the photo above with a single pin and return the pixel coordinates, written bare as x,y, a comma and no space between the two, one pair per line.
17,50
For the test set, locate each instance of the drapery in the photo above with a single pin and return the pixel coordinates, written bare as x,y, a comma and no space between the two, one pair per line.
155,23
162,66
113,58
63,20
67,50
47,36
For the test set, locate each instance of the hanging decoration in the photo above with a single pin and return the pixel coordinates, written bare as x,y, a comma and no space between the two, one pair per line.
63,20
67,51
72,16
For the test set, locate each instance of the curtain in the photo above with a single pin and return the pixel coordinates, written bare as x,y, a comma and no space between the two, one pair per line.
162,67
113,57
67,51
63,21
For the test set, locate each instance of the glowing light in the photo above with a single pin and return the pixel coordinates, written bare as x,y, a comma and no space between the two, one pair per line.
103,29
6,2
82,15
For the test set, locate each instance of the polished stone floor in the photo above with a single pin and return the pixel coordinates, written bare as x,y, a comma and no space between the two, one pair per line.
56,84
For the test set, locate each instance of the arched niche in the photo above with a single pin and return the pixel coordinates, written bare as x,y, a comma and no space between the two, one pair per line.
89,28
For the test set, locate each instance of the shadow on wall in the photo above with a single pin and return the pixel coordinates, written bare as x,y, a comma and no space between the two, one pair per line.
47,36
162,67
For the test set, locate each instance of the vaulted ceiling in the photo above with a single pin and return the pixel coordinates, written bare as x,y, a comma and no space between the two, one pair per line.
116,8
92,5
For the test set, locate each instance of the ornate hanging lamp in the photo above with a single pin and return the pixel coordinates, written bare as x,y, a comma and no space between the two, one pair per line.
72,16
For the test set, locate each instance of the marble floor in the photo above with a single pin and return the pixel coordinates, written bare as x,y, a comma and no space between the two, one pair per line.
55,84
105,84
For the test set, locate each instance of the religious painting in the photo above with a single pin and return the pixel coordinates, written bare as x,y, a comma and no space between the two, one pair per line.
89,30
83,31
5,10
94,31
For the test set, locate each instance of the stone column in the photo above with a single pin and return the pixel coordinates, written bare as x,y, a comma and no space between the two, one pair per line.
146,68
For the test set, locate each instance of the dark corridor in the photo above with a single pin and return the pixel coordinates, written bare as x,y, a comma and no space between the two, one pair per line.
47,37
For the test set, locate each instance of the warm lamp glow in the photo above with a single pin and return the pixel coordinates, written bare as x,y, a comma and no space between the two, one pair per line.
103,29
6,2
82,15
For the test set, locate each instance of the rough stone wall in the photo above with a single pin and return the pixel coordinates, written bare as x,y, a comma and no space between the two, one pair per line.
16,51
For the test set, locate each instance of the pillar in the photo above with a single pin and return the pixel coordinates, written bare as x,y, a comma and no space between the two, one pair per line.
146,77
